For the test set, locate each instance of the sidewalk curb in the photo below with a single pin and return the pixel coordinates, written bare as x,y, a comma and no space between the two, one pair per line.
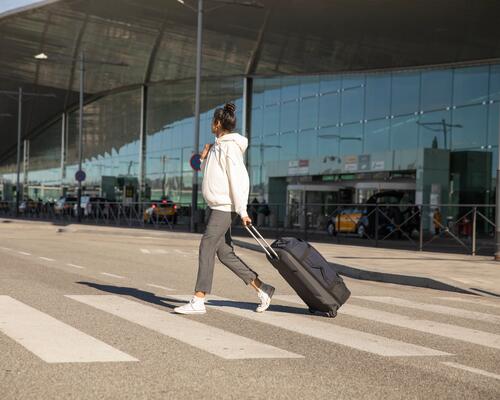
405,280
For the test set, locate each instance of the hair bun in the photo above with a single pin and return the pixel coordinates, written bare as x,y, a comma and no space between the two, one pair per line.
230,107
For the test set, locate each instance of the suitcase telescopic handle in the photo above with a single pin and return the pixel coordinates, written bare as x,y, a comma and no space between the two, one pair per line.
261,241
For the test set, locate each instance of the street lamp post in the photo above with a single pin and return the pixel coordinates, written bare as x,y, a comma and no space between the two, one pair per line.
199,43
43,57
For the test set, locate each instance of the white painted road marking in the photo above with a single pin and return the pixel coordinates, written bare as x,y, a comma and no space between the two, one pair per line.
24,253
212,340
5,248
52,340
46,258
112,275
75,266
159,287
435,308
470,369
435,328
479,301
321,330
145,251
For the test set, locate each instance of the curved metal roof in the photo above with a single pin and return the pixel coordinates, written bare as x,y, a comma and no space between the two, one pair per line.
156,40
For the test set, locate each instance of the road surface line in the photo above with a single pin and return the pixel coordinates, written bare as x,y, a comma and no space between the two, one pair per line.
75,266
434,308
112,275
470,369
435,328
46,259
329,332
50,339
6,248
159,287
204,337
479,302
24,253
145,251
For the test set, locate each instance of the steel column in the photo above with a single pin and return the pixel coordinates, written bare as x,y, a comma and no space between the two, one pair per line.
194,198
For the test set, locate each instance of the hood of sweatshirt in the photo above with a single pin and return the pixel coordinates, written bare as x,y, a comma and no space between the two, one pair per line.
240,140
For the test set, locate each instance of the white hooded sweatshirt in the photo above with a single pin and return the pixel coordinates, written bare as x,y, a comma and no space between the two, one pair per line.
225,181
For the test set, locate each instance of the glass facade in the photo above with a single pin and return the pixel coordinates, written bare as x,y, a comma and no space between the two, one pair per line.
303,129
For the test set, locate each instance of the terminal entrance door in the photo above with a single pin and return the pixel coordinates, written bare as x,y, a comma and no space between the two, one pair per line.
311,203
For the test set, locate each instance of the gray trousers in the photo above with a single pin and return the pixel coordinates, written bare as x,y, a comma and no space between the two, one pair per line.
217,240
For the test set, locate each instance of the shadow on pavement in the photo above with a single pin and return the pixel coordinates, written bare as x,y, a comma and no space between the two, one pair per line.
168,302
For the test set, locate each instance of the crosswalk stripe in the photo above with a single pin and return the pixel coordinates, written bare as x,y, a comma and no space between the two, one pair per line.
321,330
480,301
471,369
210,339
435,308
435,328
50,339
112,275
159,287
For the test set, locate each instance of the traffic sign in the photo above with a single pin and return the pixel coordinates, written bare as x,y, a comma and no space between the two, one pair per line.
80,176
195,162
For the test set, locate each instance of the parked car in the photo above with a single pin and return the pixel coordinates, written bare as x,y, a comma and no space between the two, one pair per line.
64,204
164,210
351,220
362,220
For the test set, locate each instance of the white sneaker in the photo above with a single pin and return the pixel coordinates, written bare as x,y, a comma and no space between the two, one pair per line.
265,294
195,306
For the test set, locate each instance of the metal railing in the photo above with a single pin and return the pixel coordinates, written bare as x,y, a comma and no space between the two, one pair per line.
468,228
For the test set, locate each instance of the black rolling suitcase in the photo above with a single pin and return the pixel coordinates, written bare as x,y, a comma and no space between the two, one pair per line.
308,273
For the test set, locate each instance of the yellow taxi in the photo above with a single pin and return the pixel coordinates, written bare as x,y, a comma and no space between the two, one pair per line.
164,210
347,221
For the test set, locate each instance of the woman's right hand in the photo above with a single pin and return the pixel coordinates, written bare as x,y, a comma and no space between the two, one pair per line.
205,151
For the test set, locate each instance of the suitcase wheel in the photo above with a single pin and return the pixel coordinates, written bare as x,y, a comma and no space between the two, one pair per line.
312,310
331,314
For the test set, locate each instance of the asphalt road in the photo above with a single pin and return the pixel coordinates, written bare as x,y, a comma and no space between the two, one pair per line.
87,315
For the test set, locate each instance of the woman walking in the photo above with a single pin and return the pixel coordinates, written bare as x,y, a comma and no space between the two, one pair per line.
225,189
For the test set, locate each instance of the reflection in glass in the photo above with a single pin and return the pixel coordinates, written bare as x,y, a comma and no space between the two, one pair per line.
405,93
469,129
470,85
436,89
378,96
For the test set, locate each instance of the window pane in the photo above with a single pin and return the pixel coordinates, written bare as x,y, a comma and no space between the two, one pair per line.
330,84
288,143
493,124
329,109
352,104
377,136
309,86
378,96
290,88
308,144
272,94
472,130
495,82
405,93
289,116
256,124
271,120
404,132
436,90
351,139
328,142
432,129
309,113
271,149
470,86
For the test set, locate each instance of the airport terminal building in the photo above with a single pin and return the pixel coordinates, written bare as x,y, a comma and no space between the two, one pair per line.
339,99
